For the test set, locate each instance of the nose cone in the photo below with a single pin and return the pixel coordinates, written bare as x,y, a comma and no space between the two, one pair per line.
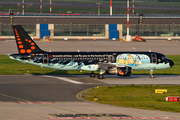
171,63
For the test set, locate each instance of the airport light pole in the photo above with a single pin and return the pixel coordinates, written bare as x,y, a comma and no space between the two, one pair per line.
11,17
140,21
110,7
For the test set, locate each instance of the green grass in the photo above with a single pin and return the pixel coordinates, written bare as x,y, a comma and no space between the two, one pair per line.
136,96
13,67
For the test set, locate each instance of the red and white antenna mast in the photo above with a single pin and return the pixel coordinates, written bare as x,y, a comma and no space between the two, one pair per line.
110,7
18,7
133,8
127,17
128,37
22,7
98,7
50,7
40,6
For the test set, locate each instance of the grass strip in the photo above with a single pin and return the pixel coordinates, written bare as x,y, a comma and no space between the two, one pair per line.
136,96
13,67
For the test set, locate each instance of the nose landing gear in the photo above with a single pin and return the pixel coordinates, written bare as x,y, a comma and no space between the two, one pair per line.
151,74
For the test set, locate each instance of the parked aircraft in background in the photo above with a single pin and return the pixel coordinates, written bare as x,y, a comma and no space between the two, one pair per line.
118,63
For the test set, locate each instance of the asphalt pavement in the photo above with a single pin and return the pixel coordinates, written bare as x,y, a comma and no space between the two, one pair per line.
30,97
162,46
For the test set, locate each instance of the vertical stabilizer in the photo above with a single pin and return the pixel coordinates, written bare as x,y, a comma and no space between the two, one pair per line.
24,42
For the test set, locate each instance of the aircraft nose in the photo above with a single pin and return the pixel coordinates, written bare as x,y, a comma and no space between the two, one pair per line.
171,63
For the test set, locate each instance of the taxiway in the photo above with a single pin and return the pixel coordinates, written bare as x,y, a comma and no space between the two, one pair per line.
30,97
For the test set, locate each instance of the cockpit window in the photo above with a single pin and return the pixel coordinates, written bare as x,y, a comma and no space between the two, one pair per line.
163,57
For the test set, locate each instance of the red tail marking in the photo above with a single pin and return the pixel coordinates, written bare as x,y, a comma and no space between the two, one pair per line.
22,51
29,50
21,46
32,47
18,39
19,42
32,43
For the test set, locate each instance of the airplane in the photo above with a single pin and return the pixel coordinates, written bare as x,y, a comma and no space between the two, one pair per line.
117,62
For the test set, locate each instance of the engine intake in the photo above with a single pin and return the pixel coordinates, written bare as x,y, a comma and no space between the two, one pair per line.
121,71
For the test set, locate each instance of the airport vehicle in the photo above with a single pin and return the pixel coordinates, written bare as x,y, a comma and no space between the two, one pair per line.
118,63
139,39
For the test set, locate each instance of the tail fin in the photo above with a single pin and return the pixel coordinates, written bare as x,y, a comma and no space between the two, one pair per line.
24,42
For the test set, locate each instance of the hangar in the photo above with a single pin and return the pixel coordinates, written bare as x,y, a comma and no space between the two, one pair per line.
93,27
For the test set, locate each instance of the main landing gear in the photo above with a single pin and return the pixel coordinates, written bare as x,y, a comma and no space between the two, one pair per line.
92,75
100,76
151,74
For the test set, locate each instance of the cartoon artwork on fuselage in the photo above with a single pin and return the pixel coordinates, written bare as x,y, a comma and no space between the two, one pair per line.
132,59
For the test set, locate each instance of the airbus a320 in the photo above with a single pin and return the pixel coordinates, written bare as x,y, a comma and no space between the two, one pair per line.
117,63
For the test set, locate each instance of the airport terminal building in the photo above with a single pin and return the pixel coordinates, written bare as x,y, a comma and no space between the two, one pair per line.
93,27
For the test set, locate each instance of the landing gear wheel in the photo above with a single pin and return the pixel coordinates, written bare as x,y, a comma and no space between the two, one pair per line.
92,75
100,77
151,76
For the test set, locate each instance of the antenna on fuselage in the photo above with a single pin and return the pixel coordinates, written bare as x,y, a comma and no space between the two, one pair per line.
78,50
149,50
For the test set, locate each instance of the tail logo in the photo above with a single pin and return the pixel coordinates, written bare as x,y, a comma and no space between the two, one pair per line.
24,42
21,47
22,51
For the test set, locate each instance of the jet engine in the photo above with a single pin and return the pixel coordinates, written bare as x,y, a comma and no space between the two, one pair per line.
121,71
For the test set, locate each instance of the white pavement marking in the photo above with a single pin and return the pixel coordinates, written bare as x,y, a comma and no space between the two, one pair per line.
71,118
133,48
137,118
64,79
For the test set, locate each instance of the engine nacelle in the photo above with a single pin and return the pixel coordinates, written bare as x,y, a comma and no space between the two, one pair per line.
121,71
